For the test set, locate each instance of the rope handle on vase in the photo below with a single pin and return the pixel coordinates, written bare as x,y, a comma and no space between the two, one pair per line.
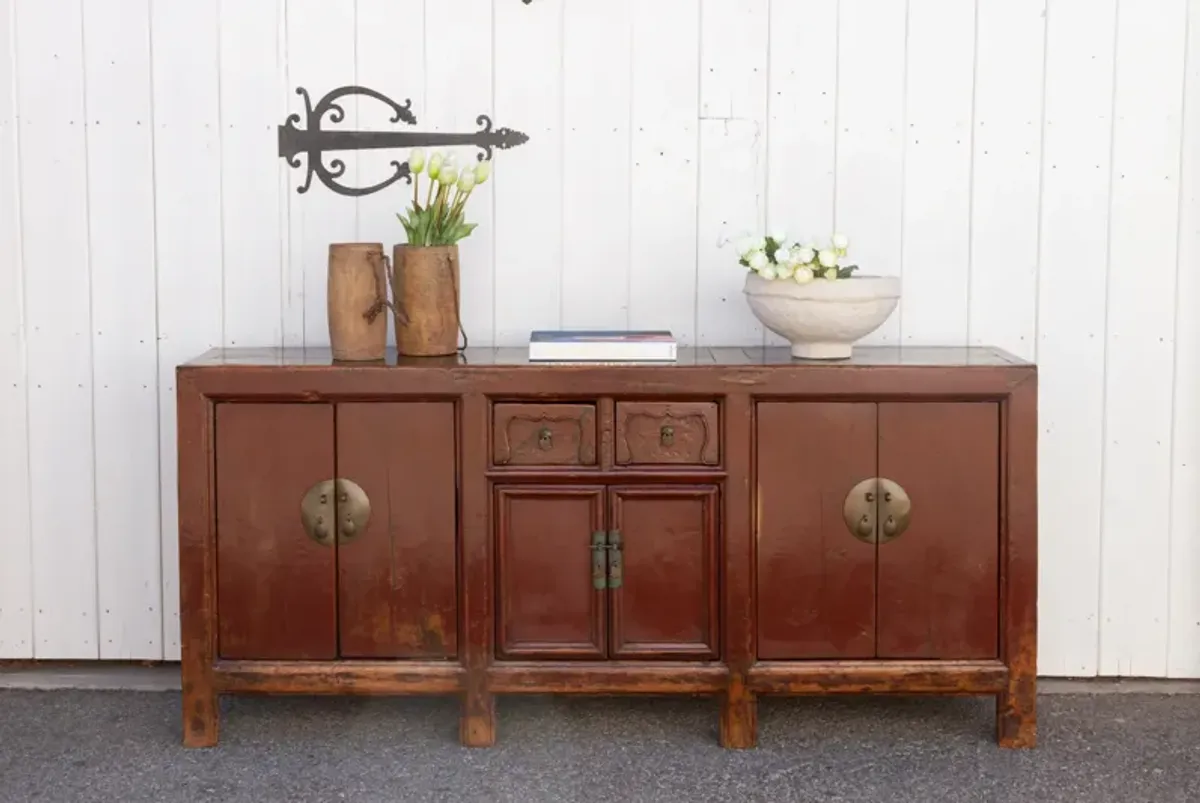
449,263
383,269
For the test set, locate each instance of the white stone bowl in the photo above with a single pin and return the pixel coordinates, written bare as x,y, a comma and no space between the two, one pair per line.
822,319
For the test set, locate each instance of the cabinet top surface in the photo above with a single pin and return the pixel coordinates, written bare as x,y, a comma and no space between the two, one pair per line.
864,356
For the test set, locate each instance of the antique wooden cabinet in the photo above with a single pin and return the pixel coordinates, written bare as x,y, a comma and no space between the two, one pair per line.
738,524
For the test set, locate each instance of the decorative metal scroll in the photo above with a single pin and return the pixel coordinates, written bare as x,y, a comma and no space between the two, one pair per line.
314,142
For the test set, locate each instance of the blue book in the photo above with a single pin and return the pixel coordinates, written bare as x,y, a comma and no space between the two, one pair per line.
602,345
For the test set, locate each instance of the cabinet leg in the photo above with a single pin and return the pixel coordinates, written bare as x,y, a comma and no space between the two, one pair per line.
1016,714
200,715
477,725
739,718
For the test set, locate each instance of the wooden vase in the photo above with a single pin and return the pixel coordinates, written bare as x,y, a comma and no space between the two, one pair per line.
425,290
357,300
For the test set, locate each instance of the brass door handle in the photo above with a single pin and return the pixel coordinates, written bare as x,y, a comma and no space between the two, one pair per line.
896,509
317,510
872,499
339,502
354,510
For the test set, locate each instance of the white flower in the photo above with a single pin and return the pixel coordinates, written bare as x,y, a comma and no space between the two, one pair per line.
758,260
803,275
416,161
784,270
841,242
828,259
804,255
767,273
483,171
435,164
448,173
760,243
831,273
466,181
745,246
779,236
782,256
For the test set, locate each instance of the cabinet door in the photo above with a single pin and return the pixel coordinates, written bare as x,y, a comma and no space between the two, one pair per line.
397,576
816,581
276,589
939,579
549,605
665,605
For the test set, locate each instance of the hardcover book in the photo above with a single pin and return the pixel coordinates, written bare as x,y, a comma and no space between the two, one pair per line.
602,345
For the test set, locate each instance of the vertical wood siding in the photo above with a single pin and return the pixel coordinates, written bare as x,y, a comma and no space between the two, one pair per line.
1031,168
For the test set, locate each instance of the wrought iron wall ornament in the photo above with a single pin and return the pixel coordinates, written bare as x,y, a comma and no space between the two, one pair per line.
314,142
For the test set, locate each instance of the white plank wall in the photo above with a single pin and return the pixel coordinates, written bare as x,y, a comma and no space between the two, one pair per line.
1031,168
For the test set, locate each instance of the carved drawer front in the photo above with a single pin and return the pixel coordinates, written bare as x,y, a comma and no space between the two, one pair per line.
544,435
668,433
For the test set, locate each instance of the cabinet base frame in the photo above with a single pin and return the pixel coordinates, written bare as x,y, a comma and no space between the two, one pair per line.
738,697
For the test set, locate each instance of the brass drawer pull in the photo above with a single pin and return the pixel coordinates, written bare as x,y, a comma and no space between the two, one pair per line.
666,435
545,439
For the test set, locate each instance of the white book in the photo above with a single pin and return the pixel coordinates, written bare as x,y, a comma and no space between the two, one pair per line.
602,345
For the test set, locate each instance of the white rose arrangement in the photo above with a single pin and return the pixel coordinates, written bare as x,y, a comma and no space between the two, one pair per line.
776,257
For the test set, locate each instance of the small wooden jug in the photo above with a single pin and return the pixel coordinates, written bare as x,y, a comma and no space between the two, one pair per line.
357,301
425,290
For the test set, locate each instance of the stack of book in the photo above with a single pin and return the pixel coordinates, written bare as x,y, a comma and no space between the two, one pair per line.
602,346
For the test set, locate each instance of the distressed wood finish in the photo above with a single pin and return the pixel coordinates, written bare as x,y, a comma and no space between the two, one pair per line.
816,581
338,677
938,581
197,562
276,588
657,433
740,577
397,580
666,606
477,725
358,323
1016,707
544,435
548,605
881,677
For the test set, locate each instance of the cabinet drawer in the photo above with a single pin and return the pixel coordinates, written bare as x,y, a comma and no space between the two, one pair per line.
544,435
668,433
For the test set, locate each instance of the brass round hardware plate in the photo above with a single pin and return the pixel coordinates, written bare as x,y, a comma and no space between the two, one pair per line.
353,512
859,511
545,439
322,516
895,511
316,512
666,436
877,510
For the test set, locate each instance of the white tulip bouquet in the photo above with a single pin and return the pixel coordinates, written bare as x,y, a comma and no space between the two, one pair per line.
440,221
777,257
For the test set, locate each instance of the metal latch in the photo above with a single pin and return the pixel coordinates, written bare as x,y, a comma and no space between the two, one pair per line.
616,566
607,567
599,560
